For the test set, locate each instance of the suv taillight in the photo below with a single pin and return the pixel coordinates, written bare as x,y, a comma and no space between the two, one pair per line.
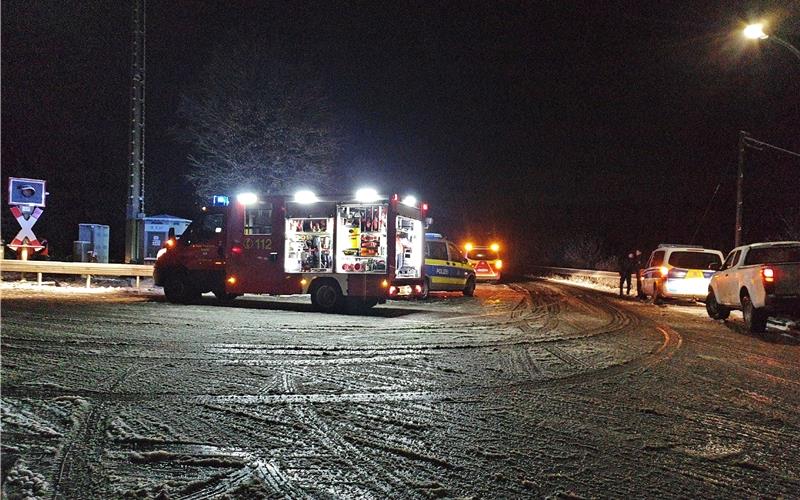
677,273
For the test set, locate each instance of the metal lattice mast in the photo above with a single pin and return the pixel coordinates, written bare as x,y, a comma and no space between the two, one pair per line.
135,209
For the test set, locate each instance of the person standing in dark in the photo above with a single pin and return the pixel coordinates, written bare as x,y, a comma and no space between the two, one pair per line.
626,269
638,264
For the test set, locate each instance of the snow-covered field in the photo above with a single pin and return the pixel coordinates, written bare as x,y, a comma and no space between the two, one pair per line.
530,389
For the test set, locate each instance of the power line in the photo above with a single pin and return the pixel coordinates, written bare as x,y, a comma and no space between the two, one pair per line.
749,140
745,141
710,203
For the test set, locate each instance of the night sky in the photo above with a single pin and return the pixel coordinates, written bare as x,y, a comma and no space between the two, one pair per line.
538,122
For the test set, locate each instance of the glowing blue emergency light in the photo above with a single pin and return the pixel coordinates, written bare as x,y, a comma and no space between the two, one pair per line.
220,200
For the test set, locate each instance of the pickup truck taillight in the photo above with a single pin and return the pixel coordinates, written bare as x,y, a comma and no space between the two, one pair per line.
768,276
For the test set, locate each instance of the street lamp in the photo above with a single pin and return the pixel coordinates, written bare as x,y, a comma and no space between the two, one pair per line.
755,31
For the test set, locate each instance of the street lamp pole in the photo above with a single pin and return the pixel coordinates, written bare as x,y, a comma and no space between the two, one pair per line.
756,32
786,44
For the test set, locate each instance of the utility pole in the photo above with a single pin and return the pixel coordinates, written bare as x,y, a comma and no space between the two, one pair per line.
745,141
135,210
737,240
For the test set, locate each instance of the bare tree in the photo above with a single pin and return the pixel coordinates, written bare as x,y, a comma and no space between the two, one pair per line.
257,121
791,226
583,252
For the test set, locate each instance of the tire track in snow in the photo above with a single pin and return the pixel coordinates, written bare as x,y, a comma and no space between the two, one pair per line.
365,462
75,462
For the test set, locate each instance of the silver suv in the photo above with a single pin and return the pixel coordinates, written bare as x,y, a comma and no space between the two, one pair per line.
679,271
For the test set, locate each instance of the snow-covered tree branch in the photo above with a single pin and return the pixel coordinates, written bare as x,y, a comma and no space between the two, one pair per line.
257,121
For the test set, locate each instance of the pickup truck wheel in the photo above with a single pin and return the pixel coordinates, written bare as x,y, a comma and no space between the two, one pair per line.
327,296
714,309
755,319
469,289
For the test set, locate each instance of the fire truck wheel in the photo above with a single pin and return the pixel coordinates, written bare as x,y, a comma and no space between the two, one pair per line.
225,297
357,305
469,290
327,296
178,291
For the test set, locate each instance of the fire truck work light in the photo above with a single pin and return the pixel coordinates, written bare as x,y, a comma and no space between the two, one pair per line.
247,198
367,195
220,200
410,201
468,247
305,197
495,247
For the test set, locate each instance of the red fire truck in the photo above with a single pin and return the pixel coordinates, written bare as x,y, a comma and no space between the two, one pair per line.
343,251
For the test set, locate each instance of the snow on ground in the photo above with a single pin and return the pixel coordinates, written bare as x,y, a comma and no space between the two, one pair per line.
526,390
694,308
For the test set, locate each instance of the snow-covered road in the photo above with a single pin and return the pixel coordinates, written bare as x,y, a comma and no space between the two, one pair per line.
528,389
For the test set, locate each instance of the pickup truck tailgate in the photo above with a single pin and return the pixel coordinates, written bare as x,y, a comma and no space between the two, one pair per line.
787,279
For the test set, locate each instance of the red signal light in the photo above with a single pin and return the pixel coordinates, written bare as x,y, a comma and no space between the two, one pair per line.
236,249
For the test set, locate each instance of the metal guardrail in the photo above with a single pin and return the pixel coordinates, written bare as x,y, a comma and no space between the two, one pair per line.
577,272
139,271
88,269
607,278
